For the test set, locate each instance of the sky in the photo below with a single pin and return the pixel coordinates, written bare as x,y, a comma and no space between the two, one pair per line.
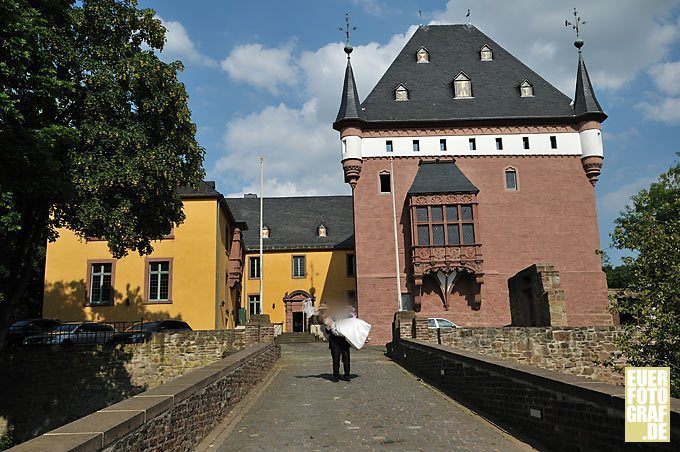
265,78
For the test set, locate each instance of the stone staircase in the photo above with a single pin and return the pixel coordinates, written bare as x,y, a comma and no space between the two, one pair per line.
295,338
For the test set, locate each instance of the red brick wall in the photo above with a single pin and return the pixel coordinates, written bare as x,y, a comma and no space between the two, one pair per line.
551,218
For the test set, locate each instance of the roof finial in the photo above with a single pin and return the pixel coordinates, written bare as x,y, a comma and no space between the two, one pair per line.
420,14
467,16
348,47
576,25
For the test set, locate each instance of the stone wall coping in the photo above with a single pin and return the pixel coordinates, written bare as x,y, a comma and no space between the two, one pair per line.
584,388
99,429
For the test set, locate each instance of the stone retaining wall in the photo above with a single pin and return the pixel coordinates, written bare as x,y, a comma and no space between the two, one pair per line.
551,410
583,351
173,416
43,388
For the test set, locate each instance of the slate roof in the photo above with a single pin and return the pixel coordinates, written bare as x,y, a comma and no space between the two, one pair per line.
349,104
440,177
452,49
293,222
206,190
585,101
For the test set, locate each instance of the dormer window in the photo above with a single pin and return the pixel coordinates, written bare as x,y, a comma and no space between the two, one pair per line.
526,89
265,232
485,53
321,230
462,86
423,56
401,93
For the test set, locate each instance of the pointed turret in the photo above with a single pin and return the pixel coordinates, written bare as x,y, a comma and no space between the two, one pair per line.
350,108
589,111
349,119
585,102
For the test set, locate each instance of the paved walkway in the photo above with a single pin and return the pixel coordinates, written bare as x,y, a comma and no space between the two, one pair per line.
383,407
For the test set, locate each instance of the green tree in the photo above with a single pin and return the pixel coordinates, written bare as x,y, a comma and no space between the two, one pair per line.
650,227
95,132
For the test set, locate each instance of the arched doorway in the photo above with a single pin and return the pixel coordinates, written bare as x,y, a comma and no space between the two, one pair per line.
295,317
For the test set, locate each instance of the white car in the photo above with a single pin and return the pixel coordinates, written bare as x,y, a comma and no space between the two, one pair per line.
436,322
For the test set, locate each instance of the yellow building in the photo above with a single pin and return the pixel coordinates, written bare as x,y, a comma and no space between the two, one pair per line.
194,274
308,247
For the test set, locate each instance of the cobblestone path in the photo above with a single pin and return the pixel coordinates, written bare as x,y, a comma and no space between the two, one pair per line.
382,407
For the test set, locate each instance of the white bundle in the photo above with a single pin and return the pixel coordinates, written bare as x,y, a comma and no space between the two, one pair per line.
354,330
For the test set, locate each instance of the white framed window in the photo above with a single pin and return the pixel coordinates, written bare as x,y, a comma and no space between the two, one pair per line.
422,56
462,86
101,275
526,89
254,305
485,53
299,266
159,281
254,267
401,93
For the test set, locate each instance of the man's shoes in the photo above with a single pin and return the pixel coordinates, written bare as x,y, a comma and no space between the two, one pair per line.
346,378
335,378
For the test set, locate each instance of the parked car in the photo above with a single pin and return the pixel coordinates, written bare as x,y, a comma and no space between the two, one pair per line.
141,332
81,333
20,330
436,322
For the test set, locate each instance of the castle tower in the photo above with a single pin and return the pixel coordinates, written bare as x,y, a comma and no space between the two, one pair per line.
587,109
347,123
491,169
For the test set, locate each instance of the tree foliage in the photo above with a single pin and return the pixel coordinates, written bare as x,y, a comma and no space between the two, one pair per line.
95,131
650,227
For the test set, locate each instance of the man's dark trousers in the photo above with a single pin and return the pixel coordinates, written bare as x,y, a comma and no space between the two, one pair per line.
339,348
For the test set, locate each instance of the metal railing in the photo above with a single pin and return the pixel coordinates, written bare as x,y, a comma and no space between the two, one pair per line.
78,332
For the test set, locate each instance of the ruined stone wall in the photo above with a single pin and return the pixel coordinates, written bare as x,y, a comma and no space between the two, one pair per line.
577,351
43,388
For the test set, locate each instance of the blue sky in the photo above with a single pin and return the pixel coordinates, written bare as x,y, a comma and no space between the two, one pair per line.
264,78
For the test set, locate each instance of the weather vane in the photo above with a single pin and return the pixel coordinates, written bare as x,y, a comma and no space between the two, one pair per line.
348,47
576,25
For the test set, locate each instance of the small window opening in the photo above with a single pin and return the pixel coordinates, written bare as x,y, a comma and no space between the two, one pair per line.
442,144
526,89
499,144
510,179
525,141
388,146
462,86
422,56
385,183
553,142
416,145
485,54
321,230
401,93
473,144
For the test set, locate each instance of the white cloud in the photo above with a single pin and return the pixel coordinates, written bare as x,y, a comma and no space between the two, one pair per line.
621,38
373,7
301,149
615,201
666,76
262,67
178,45
664,110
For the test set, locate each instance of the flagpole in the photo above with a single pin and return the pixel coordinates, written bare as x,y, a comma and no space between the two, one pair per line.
261,225
396,242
